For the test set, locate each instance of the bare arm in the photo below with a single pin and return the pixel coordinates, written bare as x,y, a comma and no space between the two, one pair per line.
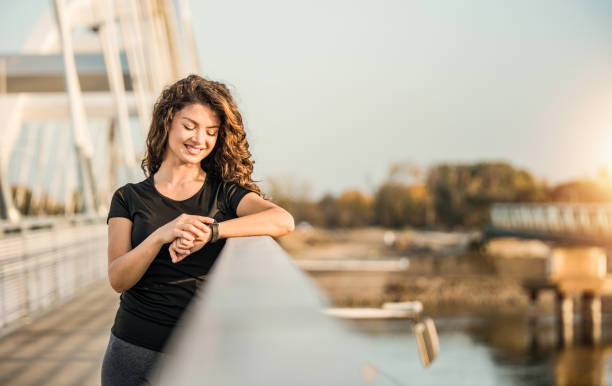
126,265
256,217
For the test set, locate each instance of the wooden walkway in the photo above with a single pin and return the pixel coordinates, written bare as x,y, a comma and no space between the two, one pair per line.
64,346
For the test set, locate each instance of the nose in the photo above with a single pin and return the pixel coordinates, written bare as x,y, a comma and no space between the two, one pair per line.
200,137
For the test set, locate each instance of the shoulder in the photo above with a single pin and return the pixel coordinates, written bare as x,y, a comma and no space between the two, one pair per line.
130,194
122,202
230,188
137,188
229,194
223,187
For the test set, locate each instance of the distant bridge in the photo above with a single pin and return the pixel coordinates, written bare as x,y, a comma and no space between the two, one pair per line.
563,223
578,265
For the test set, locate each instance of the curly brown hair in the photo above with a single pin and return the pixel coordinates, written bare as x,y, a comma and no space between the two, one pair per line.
230,158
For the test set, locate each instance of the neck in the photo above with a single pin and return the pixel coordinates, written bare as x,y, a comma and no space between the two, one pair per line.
179,173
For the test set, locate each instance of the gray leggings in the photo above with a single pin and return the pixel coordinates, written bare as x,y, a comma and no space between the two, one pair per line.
127,364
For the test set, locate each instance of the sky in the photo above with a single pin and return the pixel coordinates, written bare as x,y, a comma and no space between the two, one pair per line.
334,92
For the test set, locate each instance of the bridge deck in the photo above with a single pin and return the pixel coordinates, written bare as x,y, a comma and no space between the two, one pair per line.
63,347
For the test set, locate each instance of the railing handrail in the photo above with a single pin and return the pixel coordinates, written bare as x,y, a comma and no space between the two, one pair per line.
26,224
259,321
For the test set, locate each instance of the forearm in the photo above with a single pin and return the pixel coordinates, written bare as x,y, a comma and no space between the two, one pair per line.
126,270
272,222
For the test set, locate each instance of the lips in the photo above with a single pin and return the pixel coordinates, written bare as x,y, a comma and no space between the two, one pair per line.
194,150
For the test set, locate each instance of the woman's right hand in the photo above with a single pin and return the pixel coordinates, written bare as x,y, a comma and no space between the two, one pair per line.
186,226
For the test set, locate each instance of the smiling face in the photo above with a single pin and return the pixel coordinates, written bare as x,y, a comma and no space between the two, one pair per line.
193,134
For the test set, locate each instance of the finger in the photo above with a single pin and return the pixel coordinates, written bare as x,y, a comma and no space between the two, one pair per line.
185,244
176,233
177,253
180,233
206,234
183,254
181,251
186,235
172,253
181,240
198,233
206,220
201,225
204,238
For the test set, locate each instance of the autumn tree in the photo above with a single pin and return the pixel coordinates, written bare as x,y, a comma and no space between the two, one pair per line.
462,194
354,209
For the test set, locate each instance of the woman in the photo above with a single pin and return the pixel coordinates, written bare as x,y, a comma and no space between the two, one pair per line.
164,233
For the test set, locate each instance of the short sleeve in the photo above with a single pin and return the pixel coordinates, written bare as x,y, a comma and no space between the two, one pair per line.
119,206
232,194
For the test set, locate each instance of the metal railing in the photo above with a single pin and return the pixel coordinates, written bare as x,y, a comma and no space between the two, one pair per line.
45,262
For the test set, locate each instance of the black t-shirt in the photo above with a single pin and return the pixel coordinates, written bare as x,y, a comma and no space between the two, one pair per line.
152,307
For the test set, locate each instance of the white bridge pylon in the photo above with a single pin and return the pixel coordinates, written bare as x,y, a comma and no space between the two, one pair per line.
76,103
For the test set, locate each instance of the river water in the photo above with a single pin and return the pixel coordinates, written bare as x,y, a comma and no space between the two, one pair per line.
485,351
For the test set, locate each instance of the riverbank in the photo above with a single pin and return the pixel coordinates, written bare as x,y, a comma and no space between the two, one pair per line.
447,271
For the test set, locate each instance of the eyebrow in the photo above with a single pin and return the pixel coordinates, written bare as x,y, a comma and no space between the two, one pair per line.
197,124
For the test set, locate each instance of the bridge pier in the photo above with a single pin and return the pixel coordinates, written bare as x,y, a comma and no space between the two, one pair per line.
532,310
565,318
591,317
590,314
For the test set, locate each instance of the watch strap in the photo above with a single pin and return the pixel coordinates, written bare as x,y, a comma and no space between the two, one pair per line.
214,228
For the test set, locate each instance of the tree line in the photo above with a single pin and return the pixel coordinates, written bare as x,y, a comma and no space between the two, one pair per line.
445,196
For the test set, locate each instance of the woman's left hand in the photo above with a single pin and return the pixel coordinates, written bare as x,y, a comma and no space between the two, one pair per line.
182,247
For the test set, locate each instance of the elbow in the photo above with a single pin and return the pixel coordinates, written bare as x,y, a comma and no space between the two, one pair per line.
115,285
115,282
290,224
287,225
